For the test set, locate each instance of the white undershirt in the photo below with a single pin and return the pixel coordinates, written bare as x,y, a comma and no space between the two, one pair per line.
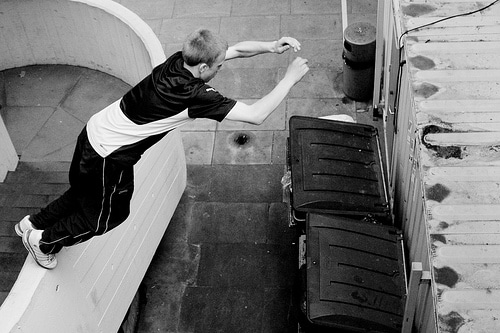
110,129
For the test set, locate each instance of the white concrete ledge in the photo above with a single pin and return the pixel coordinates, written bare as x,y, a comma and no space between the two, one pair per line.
94,283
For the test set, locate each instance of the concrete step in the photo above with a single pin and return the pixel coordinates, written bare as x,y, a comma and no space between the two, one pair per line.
30,188
27,189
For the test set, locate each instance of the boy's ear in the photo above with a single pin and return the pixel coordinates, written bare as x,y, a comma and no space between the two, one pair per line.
202,67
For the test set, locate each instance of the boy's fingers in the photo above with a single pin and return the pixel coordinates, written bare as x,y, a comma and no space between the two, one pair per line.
292,42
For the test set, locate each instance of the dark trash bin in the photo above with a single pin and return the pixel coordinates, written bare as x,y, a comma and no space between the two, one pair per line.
336,168
359,60
354,277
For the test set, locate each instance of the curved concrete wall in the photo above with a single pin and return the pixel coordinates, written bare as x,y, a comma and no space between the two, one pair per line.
94,283
98,34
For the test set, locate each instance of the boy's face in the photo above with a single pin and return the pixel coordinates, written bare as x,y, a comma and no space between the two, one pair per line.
209,73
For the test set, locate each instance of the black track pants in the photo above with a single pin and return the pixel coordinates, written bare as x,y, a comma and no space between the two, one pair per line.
97,201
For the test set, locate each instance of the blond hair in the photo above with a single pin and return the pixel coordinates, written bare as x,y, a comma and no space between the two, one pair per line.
203,46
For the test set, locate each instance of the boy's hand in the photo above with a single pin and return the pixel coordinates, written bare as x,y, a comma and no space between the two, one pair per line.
284,43
297,69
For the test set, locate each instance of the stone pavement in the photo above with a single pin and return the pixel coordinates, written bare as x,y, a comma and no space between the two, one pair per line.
228,260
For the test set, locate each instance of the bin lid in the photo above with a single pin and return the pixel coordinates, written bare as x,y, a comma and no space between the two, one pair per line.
355,274
336,168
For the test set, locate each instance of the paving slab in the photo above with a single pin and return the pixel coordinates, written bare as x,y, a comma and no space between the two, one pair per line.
216,222
2,89
165,282
319,84
58,133
150,9
243,147
279,314
100,88
318,26
362,6
315,7
27,200
275,121
39,85
362,17
221,310
268,61
12,262
200,125
319,107
160,312
24,122
11,245
176,30
28,188
8,279
200,8
279,154
155,25
246,83
180,225
261,27
322,53
7,229
239,265
260,7
198,146
234,183
278,231
64,153
12,214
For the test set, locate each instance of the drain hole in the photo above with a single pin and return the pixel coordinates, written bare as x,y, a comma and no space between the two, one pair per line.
241,139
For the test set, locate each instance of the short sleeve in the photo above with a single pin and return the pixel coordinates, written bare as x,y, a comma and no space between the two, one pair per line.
209,103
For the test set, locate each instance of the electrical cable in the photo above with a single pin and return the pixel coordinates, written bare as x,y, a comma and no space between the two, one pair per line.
402,63
445,19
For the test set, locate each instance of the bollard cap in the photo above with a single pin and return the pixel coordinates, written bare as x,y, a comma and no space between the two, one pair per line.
360,33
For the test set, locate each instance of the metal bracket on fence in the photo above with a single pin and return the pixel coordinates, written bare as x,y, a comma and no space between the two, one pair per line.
417,278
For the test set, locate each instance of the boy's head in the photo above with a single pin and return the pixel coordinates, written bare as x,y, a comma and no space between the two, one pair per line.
203,46
204,49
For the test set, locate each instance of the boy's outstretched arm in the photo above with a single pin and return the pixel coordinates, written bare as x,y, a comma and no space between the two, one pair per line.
260,110
252,48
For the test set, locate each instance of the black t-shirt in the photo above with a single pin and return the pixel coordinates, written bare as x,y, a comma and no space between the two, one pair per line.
170,89
167,98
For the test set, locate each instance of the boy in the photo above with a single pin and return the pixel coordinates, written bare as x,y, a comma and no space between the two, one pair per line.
101,173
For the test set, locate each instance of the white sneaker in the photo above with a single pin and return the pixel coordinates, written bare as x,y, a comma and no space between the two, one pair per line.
48,261
23,225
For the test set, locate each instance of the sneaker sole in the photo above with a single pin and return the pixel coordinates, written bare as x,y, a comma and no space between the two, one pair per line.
31,251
